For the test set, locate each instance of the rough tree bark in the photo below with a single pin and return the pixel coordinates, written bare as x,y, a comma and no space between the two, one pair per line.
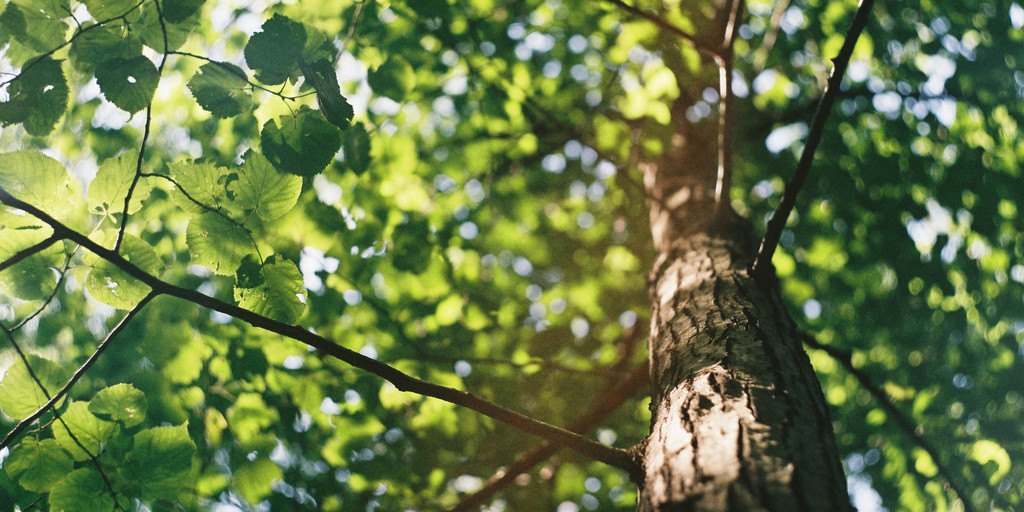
738,422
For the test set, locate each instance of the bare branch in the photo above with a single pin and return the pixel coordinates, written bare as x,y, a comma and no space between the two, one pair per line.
724,182
778,220
902,421
613,456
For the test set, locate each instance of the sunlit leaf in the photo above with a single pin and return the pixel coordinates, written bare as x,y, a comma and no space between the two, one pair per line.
263,188
88,434
109,188
279,295
161,459
82,490
221,88
20,394
113,286
37,465
217,244
120,402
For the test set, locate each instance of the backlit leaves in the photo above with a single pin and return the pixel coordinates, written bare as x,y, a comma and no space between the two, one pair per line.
217,243
81,433
161,461
109,188
277,293
302,144
262,188
38,465
221,88
120,402
275,51
30,25
128,83
110,285
37,98
20,394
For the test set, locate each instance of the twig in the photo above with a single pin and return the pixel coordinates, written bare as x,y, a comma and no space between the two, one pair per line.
28,252
778,220
724,182
351,28
613,456
678,32
612,397
846,360
145,134
23,424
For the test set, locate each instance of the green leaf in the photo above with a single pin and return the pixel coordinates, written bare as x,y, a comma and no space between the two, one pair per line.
178,10
105,9
394,78
356,148
155,32
81,490
108,190
89,431
36,179
120,402
37,465
275,51
100,44
254,480
128,83
217,243
161,460
412,248
985,451
260,187
303,145
20,395
37,98
112,286
221,89
278,297
33,27
200,187
333,105
33,278
249,274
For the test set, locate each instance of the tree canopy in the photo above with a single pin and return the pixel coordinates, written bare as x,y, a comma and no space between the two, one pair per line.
224,222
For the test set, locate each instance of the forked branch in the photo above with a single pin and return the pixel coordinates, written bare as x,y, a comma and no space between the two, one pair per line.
803,167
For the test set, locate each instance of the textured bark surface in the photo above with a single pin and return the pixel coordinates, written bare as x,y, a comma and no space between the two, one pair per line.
739,422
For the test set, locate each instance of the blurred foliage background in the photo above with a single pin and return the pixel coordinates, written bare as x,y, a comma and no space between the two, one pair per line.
484,227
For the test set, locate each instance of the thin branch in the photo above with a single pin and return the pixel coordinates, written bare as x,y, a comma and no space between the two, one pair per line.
724,182
778,220
234,71
351,28
28,252
665,25
46,393
613,456
145,134
611,398
76,35
846,360
23,424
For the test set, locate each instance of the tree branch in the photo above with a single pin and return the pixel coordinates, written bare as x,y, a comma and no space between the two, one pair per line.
24,423
778,220
665,25
613,456
28,252
846,360
611,398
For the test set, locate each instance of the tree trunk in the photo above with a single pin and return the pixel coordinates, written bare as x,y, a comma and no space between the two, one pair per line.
738,417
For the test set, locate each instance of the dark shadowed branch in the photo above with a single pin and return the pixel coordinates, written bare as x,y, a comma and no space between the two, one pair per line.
902,421
610,399
803,167
613,456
